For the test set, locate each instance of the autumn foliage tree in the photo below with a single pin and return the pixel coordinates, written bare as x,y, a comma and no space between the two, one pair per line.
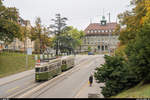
132,65
9,27
40,35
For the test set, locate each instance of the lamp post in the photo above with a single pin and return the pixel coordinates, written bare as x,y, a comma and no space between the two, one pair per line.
109,35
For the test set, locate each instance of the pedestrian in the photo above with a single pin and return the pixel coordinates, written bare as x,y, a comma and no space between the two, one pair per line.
91,80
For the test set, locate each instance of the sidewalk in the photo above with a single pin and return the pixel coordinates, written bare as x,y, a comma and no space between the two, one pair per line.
14,77
90,92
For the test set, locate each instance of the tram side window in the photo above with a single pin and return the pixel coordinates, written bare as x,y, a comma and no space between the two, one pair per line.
45,68
50,67
41,69
37,69
58,64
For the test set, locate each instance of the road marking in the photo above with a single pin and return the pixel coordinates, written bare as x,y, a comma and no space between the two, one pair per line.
30,92
15,79
21,91
77,95
28,82
12,89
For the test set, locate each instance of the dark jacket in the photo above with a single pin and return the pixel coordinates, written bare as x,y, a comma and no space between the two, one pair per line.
91,79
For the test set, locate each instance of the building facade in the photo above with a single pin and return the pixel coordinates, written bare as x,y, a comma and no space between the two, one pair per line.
100,37
22,45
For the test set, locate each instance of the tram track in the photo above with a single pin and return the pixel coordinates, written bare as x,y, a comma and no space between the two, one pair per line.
22,91
33,84
89,62
56,80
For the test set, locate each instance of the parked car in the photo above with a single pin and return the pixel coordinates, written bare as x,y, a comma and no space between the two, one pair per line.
90,53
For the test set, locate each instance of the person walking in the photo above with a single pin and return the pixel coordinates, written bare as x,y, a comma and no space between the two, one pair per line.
91,80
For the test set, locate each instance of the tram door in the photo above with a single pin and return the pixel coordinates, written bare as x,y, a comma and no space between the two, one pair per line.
98,47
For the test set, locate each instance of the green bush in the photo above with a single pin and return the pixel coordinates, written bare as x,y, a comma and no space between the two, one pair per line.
138,54
122,72
115,74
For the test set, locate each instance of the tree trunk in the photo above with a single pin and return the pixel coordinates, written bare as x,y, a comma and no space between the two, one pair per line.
25,46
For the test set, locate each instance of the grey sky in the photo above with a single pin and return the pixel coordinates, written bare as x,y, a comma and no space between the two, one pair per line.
79,12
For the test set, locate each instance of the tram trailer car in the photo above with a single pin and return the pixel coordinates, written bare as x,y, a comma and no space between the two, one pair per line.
67,63
47,70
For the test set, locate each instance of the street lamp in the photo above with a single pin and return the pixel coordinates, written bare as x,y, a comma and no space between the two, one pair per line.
109,35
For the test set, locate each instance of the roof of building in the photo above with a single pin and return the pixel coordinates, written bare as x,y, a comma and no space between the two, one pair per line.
98,26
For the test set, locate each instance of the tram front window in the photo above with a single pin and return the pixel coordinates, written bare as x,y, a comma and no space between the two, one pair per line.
63,62
37,69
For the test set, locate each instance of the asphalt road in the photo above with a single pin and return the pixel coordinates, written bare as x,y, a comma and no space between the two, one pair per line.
26,83
69,85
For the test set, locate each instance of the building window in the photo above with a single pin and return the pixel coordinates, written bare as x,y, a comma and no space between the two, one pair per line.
102,31
91,31
106,31
95,31
99,31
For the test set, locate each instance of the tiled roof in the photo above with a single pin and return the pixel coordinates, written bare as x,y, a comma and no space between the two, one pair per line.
98,26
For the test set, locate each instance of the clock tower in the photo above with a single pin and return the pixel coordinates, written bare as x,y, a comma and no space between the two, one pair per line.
103,21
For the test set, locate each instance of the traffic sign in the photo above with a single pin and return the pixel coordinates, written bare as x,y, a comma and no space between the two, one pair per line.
29,51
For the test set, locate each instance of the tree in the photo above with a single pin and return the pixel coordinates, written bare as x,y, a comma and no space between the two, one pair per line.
70,39
77,35
116,76
58,27
24,35
138,54
134,65
89,49
39,34
9,27
133,20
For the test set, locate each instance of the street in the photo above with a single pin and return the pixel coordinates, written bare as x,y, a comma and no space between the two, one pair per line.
66,85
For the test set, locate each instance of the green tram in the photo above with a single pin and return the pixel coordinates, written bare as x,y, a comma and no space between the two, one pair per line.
46,70
67,63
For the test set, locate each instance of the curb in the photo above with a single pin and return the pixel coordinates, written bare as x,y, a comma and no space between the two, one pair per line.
25,95
15,79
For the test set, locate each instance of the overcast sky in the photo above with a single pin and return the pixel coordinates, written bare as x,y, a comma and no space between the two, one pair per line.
79,12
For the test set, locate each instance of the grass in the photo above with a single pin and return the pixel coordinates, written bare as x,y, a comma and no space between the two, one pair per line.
11,63
139,91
